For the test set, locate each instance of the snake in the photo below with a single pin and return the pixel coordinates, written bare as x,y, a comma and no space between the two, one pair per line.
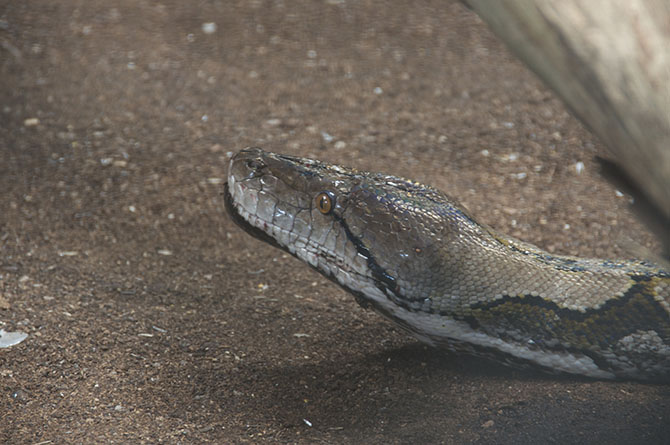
419,258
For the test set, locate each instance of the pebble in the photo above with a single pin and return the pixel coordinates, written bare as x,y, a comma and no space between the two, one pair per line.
579,167
8,339
31,122
209,28
326,137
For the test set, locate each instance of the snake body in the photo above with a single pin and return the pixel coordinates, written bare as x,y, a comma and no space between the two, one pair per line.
413,254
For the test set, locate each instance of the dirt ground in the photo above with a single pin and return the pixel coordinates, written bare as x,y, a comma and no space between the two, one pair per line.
151,318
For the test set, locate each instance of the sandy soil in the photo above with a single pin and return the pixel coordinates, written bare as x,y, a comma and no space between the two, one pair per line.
152,318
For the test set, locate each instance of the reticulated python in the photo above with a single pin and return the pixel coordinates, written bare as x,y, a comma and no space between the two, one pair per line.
414,255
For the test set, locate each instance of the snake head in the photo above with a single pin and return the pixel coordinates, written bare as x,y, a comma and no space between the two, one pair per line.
377,235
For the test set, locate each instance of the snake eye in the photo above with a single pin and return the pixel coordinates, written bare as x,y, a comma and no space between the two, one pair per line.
325,202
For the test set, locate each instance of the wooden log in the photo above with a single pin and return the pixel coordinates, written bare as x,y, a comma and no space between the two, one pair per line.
609,60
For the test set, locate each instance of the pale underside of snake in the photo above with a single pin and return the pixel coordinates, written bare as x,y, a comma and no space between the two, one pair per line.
414,255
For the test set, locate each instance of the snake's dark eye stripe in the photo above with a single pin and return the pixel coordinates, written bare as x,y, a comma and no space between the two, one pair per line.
325,202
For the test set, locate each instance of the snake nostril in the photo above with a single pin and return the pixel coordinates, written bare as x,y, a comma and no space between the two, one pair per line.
255,164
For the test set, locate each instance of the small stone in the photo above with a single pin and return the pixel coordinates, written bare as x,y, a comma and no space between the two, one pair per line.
340,145
8,339
31,122
488,424
579,167
209,28
326,137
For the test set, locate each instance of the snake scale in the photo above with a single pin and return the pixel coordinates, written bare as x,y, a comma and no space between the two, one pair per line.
414,255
